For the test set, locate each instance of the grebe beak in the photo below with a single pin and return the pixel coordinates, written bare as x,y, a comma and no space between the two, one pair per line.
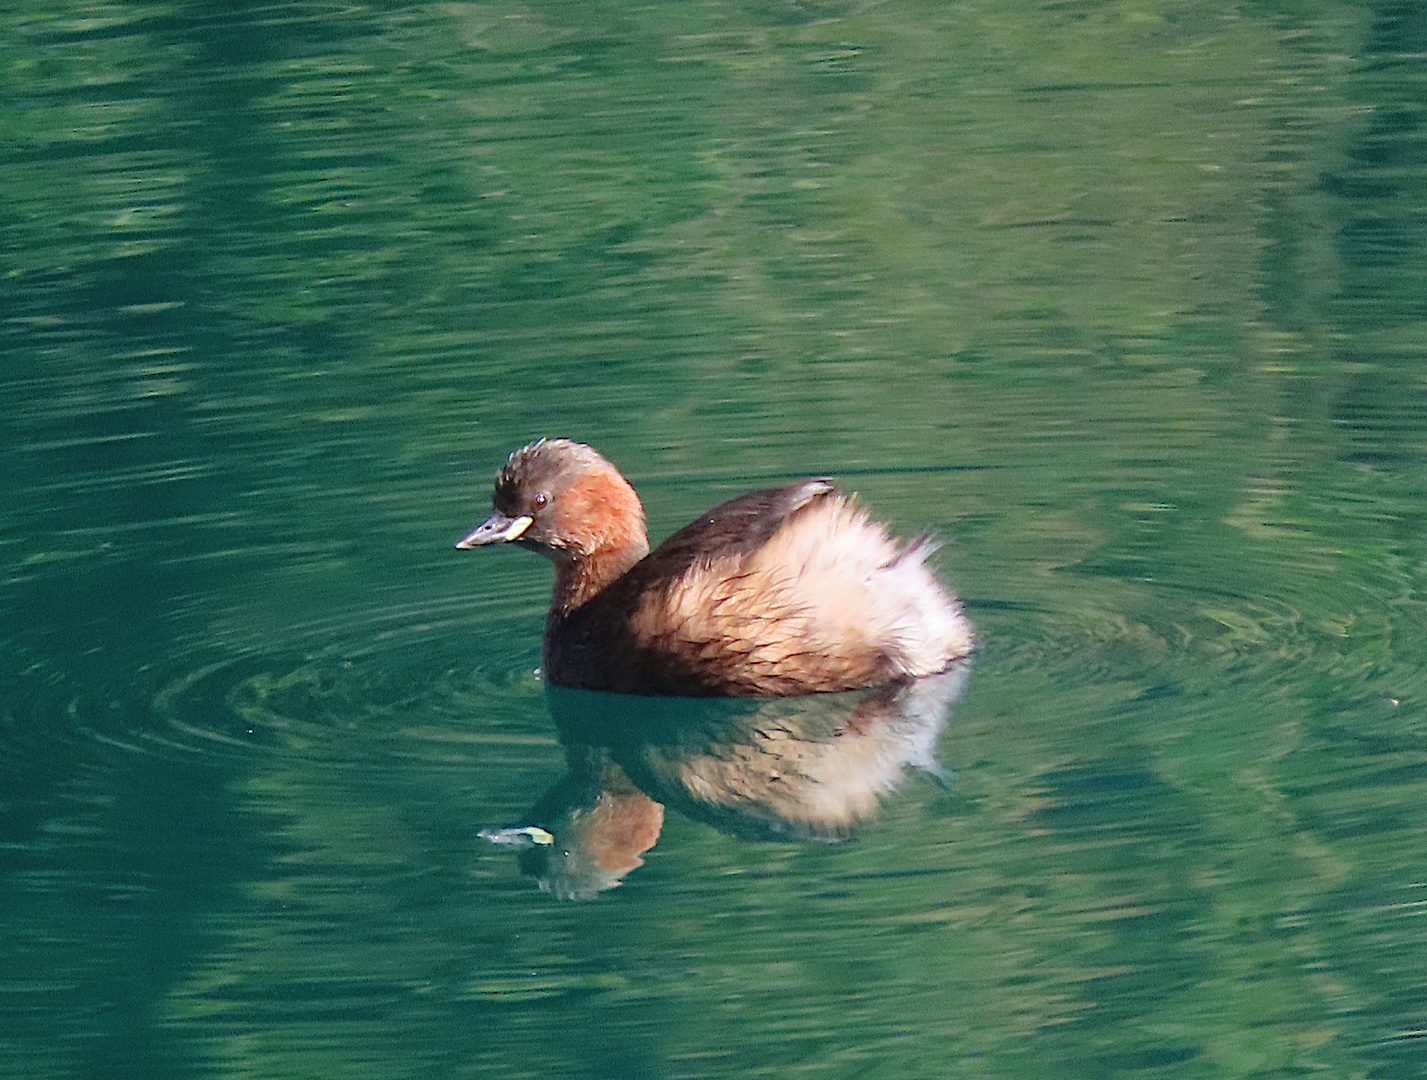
496,529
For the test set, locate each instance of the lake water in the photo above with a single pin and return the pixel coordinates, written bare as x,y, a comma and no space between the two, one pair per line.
1126,301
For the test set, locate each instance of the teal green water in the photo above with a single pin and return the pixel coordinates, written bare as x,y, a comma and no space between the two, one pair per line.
1127,301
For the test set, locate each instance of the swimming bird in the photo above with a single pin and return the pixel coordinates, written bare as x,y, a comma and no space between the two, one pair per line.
785,591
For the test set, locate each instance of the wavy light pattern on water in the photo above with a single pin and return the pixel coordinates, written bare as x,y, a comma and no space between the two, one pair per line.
1123,302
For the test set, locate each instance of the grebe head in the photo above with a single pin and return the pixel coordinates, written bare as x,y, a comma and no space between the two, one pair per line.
566,501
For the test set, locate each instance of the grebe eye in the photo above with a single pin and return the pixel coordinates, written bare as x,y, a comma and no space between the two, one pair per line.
540,501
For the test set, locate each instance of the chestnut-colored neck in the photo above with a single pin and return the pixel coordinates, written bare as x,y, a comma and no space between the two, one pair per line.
600,516
579,578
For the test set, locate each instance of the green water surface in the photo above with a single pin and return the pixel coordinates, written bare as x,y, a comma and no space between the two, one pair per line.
1126,300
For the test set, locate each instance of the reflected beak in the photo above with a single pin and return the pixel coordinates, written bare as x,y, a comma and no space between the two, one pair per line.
496,529
519,836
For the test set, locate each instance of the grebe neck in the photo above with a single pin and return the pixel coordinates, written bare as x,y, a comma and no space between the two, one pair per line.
579,579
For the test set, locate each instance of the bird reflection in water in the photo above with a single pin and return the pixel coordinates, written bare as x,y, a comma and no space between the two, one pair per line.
789,768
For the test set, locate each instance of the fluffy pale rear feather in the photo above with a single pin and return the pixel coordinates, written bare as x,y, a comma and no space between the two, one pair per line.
829,600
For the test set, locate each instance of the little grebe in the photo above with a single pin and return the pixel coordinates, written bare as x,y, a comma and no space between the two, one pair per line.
790,590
